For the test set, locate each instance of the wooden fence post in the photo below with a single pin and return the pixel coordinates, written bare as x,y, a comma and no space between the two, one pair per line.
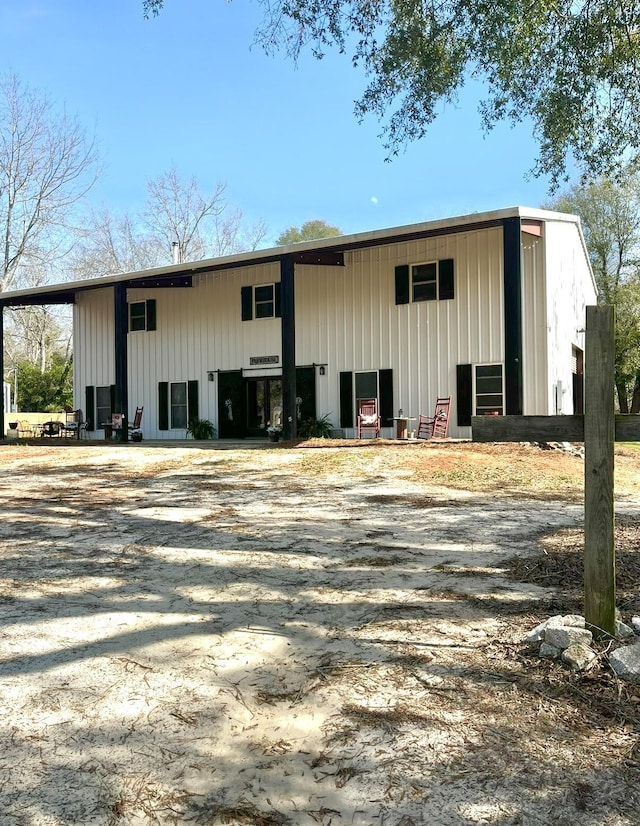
599,437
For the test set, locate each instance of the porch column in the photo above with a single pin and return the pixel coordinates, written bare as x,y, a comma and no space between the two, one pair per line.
512,281
121,325
288,328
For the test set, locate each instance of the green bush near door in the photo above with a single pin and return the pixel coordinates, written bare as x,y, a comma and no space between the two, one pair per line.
201,429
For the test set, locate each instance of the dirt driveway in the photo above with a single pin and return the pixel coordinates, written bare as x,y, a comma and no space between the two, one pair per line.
303,635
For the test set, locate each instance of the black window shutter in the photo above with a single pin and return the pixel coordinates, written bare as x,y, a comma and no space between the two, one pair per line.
402,284
112,400
163,405
90,406
151,314
246,294
346,399
464,395
385,389
276,297
192,401
445,279
306,390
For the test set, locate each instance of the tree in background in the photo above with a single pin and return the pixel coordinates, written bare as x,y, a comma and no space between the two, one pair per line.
610,215
46,166
176,212
573,68
45,392
203,226
38,345
111,244
309,231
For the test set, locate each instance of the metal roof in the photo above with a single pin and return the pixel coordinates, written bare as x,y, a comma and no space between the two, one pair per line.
180,274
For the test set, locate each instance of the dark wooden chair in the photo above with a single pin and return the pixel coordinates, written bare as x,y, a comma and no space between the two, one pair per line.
436,426
137,419
368,420
74,424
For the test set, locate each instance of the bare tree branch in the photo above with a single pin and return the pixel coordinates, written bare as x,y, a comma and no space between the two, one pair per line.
46,166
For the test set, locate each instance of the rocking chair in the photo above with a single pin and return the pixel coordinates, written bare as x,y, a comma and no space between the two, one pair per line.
137,419
437,426
368,418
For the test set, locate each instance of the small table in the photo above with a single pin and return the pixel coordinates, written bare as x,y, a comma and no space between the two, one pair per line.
402,424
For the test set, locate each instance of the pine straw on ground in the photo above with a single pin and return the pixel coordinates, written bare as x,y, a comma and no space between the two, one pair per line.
561,564
457,712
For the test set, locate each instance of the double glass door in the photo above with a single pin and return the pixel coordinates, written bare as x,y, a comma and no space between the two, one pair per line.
264,405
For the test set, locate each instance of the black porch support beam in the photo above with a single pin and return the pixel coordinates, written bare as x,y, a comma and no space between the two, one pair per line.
512,280
121,325
159,283
322,258
288,328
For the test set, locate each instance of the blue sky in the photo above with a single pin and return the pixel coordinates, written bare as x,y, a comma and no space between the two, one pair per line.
188,89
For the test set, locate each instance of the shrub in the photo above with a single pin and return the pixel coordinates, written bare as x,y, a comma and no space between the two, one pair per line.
316,428
202,429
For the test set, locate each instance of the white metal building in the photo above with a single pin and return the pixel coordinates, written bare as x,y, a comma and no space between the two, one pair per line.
487,308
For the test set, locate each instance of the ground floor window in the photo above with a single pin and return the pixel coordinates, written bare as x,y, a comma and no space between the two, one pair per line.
366,385
103,407
489,389
178,403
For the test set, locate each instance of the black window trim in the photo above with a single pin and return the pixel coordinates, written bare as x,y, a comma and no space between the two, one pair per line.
271,301
499,364
149,315
445,268
248,301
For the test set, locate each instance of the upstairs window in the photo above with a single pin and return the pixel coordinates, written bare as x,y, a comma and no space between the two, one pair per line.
424,282
262,301
142,315
430,281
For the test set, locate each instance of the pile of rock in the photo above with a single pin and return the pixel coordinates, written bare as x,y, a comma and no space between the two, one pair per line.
564,447
567,638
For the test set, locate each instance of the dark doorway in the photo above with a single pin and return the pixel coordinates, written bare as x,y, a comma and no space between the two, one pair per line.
232,405
264,405
577,370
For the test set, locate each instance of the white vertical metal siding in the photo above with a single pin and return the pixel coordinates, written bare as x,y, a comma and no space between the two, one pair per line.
534,327
569,289
347,317
93,343
199,329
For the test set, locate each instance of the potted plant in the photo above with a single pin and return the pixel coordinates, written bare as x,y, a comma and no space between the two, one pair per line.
273,432
316,428
201,429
